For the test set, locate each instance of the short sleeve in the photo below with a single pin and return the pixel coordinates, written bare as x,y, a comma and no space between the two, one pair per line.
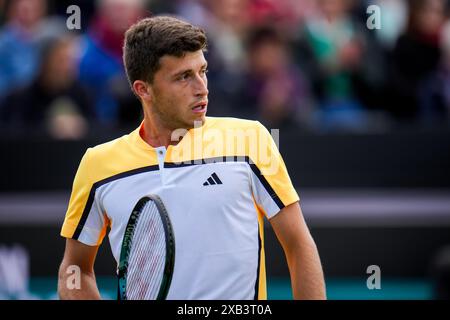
271,185
84,219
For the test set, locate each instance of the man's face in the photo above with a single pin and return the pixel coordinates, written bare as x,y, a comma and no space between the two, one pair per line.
180,90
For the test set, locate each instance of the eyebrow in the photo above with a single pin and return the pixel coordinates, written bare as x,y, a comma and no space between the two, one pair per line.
204,66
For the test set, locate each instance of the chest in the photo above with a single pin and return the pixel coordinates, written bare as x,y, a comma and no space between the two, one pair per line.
210,205
205,192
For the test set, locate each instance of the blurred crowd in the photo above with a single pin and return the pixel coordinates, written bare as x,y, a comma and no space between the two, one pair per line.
314,65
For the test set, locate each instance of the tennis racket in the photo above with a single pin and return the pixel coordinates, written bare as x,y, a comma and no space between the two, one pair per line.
147,255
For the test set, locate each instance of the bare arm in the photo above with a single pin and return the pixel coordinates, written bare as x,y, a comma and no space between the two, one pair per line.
79,255
301,253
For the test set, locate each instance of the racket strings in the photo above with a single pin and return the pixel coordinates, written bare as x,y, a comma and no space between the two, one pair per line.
147,256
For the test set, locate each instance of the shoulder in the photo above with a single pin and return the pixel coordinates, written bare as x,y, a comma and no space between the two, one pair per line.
108,150
239,127
227,123
112,158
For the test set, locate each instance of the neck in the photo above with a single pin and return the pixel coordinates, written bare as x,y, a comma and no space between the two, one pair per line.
155,134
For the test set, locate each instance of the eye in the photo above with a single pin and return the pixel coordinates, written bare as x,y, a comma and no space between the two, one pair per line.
184,76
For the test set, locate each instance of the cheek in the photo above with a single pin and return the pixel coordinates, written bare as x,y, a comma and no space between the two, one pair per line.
173,100
177,103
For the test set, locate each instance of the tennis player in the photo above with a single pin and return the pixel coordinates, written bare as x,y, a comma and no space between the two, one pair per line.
218,177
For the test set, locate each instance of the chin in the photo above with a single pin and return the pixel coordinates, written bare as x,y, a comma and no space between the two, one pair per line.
198,122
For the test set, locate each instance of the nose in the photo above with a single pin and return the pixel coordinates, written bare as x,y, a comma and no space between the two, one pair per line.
201,86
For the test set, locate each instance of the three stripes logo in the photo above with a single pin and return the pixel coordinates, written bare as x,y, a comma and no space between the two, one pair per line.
212,180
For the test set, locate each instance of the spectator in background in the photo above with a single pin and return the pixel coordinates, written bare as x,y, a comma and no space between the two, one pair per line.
2,12
284,15
275,90
415,57
393,20
87,7
339,52
19,43
434,93
54,102
101,68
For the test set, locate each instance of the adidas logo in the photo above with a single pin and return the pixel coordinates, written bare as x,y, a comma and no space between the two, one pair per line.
212,180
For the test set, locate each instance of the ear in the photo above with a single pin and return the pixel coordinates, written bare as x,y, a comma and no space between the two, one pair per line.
143,90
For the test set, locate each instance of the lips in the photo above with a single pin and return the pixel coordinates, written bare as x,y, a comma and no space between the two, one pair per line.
200,107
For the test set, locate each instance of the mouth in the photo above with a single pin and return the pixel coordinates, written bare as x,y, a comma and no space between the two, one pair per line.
200,107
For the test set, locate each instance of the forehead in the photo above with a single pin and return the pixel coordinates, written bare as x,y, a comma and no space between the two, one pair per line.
191,60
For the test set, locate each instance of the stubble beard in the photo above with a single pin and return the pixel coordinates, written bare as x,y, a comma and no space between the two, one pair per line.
169,120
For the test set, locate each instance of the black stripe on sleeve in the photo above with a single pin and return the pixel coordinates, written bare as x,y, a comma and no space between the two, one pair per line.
87,209
98,184
267,186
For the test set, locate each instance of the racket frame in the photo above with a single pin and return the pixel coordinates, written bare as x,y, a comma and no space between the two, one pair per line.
127,243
